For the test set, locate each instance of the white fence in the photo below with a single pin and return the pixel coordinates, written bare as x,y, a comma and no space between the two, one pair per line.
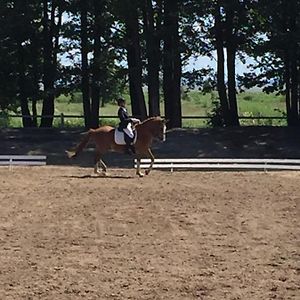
222,164
23,160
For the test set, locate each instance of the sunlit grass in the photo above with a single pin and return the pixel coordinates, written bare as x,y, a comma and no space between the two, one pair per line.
260,104
194,103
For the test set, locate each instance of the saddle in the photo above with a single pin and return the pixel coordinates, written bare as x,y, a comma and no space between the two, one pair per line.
119,137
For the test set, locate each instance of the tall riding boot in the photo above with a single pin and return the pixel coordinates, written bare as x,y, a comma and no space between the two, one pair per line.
129,147
132,148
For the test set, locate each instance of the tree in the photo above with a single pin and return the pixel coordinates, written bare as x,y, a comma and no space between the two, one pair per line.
152,28
229,20
20,51
96,64
52,18
95,53
98,37
277,54
232,22
285,41
172,63
221,85
85,76
130,15
8,61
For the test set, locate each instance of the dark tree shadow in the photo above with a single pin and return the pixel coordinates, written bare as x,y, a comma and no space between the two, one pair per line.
99,176
235,142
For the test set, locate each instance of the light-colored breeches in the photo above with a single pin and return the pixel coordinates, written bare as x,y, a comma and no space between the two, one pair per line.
129,130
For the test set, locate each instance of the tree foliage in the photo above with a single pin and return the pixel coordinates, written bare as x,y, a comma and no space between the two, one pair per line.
102,47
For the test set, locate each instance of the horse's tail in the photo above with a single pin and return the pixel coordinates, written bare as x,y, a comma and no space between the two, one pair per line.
73,153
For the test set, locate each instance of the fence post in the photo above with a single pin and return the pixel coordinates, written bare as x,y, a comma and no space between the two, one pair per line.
62,120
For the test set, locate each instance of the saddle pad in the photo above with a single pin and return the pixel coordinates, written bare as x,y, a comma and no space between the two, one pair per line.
119,137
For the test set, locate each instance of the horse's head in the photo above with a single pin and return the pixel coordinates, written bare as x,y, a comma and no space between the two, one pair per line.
157,127
162,129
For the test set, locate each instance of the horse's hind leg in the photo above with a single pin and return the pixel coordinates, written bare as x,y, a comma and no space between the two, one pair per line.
138,167
151,156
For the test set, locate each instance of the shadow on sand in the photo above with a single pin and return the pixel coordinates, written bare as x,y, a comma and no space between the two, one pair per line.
231,142
110,176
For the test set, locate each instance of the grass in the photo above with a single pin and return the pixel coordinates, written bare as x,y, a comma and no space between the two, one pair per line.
250,104
262,105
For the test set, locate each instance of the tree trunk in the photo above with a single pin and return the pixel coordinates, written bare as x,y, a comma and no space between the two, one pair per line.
34,113
35,52
292,67
85,89
153,57
287,78
21,68
231,52
172,65
26,120
177,112
36,84
96,67
221,86
167,81
50,31
234,119
294,92
293,48
135,63
48,82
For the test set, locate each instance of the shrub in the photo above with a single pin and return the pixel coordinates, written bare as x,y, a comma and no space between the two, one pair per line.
248,97
4,119
215,116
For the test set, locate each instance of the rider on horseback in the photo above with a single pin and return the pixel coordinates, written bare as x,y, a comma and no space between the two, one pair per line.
126,126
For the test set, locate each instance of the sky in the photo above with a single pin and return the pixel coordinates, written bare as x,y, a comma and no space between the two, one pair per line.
203,61
193,63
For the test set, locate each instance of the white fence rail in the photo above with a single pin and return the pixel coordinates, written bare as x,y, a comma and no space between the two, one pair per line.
23,160
222,164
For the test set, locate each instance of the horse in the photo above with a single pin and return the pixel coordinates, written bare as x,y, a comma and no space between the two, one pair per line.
103,138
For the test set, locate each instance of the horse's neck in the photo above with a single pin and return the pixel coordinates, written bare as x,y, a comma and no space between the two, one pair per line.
145,128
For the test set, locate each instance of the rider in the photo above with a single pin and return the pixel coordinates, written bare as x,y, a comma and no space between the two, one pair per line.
126,125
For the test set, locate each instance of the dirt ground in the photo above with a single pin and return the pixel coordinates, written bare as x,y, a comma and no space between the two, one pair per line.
67,234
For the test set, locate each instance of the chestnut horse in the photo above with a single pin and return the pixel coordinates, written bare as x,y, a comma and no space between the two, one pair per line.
103,138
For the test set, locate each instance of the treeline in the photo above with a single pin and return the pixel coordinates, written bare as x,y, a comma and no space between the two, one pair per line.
101,47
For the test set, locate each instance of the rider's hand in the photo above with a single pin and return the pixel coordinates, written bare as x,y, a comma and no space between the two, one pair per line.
135,121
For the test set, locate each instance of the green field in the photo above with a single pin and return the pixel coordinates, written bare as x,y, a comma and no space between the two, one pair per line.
251,104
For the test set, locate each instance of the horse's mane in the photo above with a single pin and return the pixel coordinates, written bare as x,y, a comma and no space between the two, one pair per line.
150,119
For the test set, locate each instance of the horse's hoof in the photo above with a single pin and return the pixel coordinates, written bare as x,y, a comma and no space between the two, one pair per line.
147,172
70,154
101,174
140,174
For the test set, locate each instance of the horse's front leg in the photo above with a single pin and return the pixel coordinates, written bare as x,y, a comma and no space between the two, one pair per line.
96,165
103,166
151,156
99,163
96,168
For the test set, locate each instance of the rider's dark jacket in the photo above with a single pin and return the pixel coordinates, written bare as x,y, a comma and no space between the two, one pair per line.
124,118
